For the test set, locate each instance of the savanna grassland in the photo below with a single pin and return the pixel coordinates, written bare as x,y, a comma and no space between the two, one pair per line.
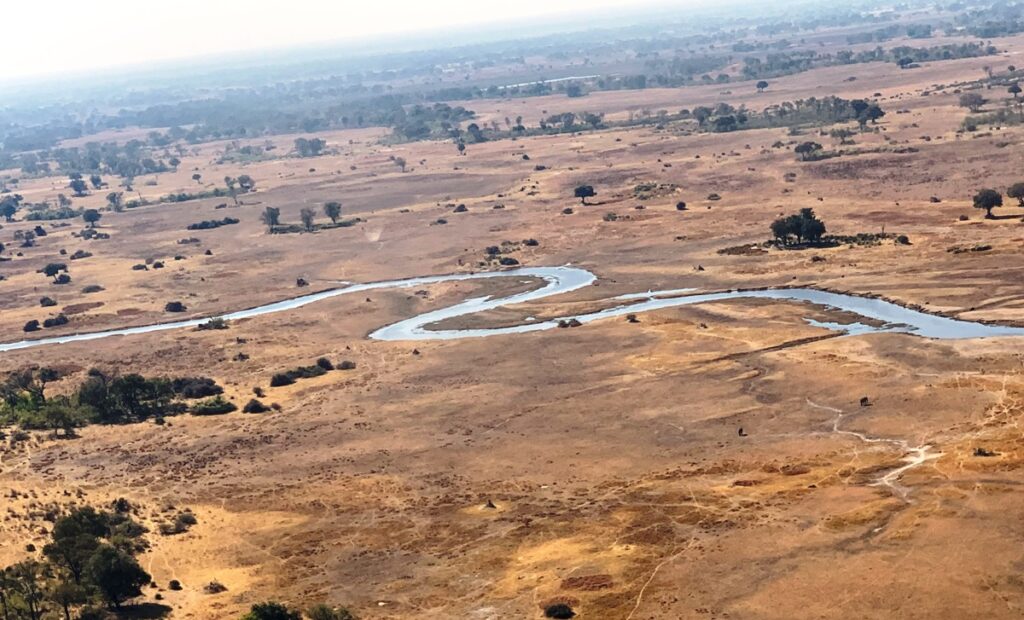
722,460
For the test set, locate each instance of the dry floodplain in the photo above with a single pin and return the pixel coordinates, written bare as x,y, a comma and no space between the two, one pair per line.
708,461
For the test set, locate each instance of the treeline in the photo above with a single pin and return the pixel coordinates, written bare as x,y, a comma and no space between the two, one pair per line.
102,398
788,63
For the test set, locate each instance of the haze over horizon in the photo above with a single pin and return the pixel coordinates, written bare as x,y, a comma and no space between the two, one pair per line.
110,34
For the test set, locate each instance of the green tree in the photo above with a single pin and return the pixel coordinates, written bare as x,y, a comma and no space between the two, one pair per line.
75,538
116,575
116,201
79,187
988,199
91,216
972,101
53,269
271,611
66,595
842,134
806,150
1017,191
307,216
197,178
761,85
60,414
271,217
232,184
583,192
333,210
1014,90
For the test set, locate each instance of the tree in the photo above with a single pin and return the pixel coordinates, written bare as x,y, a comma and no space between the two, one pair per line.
309,148
271,611
842,134
333,210
972,101
79,187
988,199
246,183
61,414
8,209
91,216
1014,90
1017,191
174,162
26,579
806,149
271,216
583,192
804,225
761,85
75,538
197,178
905,62
52,269
116,574
307,216
96,181
66,595
116,201
401,163
231,183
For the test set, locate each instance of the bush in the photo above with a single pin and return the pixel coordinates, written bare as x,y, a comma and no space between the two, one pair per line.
325,363
255,406
63,279
56,321
213,406
560,611
281,379
347,365
174,585
213,324
92,288
47,302
32,326
324,612
196,387
271,611
208,224
175,306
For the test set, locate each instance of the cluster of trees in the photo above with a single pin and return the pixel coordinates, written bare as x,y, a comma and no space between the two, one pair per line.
803,227
102,398
88,563
129,160
306,147
271,217
988,199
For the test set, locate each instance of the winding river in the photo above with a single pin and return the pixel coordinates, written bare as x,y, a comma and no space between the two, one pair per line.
560,280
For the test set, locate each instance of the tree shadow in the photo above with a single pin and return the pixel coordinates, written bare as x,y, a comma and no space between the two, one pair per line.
1004,217
145,611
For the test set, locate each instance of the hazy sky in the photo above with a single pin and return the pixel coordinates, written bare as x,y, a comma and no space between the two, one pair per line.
50,36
